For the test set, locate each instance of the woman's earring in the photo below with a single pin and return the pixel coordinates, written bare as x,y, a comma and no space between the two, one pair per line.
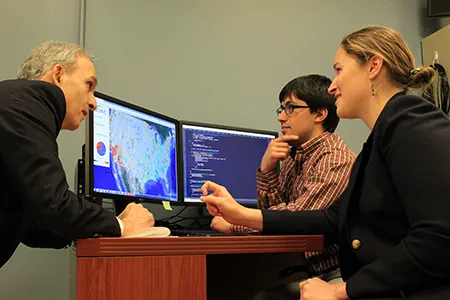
373,89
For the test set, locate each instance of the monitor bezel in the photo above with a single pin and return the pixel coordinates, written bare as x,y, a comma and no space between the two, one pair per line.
430,14
89,171
215,126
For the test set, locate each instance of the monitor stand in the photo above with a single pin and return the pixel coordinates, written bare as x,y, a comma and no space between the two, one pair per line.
80,181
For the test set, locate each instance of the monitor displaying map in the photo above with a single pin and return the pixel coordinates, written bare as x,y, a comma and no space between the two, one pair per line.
132,152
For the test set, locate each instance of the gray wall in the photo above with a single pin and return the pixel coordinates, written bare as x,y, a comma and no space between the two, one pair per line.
206,60
226,61
444,22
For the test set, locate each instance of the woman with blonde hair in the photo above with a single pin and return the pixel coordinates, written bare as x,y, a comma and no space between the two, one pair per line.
393,221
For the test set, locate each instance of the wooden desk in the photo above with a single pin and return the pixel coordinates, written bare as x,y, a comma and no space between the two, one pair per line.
168,268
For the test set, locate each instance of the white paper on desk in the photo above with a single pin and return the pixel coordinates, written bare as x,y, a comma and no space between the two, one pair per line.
152,232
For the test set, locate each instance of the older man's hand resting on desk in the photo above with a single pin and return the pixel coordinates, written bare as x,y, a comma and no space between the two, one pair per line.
135,218
221,203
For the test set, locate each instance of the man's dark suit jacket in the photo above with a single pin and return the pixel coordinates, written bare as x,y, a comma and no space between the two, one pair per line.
393,221
36,206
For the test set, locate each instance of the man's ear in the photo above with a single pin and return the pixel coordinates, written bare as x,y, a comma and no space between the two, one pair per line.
375,64
321,115
55,74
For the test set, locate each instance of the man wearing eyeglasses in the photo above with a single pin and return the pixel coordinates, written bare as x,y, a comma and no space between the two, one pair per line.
315,168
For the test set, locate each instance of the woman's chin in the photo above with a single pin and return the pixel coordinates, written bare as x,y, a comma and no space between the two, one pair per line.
340,112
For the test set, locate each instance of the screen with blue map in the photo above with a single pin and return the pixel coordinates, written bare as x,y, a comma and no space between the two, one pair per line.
134,153
229,157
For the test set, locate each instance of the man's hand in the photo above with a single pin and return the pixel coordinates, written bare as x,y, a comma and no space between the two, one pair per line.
278,149
135,217
219,224
317,289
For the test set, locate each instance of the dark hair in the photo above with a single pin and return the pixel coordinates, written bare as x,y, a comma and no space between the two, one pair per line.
438,91
313,89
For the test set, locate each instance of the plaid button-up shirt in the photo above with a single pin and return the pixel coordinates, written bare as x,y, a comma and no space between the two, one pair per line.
311,178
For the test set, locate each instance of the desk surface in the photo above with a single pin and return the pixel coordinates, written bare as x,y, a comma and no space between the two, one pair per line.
172,245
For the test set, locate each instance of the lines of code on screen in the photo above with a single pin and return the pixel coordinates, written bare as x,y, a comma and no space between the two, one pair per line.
227,157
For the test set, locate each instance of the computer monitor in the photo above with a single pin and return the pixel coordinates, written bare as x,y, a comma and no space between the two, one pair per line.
131,152
438,8
226,155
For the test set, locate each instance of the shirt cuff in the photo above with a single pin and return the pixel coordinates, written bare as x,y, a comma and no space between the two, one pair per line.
121,226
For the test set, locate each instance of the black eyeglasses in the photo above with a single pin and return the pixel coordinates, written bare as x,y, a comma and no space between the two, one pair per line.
289,108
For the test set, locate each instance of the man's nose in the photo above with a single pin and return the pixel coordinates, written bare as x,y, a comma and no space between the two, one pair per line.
282,116
92,103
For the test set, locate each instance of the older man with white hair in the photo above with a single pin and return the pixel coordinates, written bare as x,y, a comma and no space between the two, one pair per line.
55,91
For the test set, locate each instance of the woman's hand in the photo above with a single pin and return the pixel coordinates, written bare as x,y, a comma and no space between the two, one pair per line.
221,204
